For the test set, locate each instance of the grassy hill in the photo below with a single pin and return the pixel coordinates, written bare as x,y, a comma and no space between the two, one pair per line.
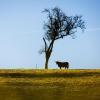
67,84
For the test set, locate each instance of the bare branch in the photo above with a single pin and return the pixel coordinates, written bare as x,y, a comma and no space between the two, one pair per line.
42,50
45,44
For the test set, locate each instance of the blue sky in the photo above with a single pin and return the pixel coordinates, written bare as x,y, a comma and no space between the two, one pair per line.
21,32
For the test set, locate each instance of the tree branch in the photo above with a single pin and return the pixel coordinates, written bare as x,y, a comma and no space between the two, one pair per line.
51,45
61,36
45,44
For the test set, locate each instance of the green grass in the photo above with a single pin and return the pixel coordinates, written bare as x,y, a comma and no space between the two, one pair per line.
50,84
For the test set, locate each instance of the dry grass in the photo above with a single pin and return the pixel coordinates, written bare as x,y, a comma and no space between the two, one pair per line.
50,77
50,84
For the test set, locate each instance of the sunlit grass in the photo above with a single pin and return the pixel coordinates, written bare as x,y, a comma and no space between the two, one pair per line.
50,77
52,84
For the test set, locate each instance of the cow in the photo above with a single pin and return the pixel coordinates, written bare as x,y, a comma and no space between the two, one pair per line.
62,64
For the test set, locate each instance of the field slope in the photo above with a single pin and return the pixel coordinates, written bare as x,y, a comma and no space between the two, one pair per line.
50,84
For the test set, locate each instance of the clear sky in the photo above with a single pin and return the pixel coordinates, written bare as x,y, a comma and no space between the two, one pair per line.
21,32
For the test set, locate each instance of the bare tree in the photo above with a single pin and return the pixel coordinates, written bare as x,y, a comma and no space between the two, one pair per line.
57,27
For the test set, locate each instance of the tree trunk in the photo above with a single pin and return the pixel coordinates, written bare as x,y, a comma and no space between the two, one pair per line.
48,53
47,56
46,63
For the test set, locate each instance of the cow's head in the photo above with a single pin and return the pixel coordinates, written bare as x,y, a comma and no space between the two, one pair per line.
56,62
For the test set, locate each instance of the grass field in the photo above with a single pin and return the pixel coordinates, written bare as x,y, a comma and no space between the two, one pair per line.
50,84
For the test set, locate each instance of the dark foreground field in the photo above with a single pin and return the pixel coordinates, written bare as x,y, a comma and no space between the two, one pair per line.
49,84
